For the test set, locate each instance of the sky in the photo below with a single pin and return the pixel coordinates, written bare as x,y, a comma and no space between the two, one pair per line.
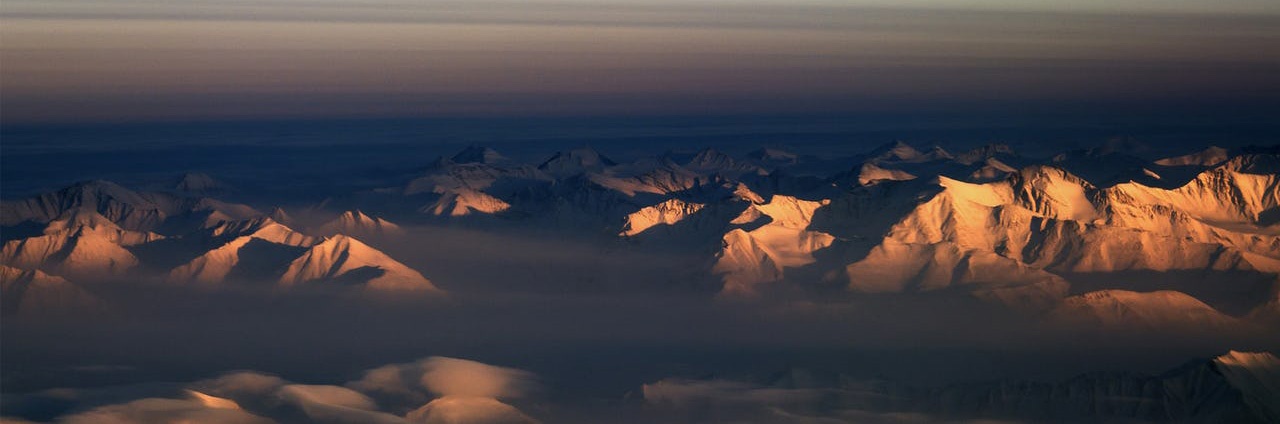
139,60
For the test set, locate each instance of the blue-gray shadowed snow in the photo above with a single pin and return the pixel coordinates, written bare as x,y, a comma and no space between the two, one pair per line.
644,277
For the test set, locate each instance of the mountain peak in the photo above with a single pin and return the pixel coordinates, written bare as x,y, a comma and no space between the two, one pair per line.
896,151
938,152
774,156
97,185
478,154
1208,157
279,215
1053,192
125,207
356,222
80,252
1164,309
984,153
1257,377
196,182
28,292
1257,164
92,190
668,212
1050,172
80,217
465,201
570,162
899,151
264,228
344,260
870,173
741,191
1249,359
711,158
992,170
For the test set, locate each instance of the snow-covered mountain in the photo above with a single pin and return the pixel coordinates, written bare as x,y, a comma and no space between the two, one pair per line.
345,261
919,221
464,202
770,157
1160,311
871,173
253,250
278,214
666,213
265,228
711,161
654,176
1044,220
478,154
575,161
264,251
357,223
901,162
199,183
31,292
129,209
448,176
102,233
771,238
477,181
1210,156
80,244
1017,231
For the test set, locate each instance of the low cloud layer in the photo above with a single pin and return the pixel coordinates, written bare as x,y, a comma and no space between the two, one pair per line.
468,392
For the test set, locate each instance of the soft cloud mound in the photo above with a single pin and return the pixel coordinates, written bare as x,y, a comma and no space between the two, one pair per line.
212,401
460,377
468,410
327,395
394,386
241,384
334,404
467,392
159,410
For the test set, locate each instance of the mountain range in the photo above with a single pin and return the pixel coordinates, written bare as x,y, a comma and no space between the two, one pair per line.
1099,235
